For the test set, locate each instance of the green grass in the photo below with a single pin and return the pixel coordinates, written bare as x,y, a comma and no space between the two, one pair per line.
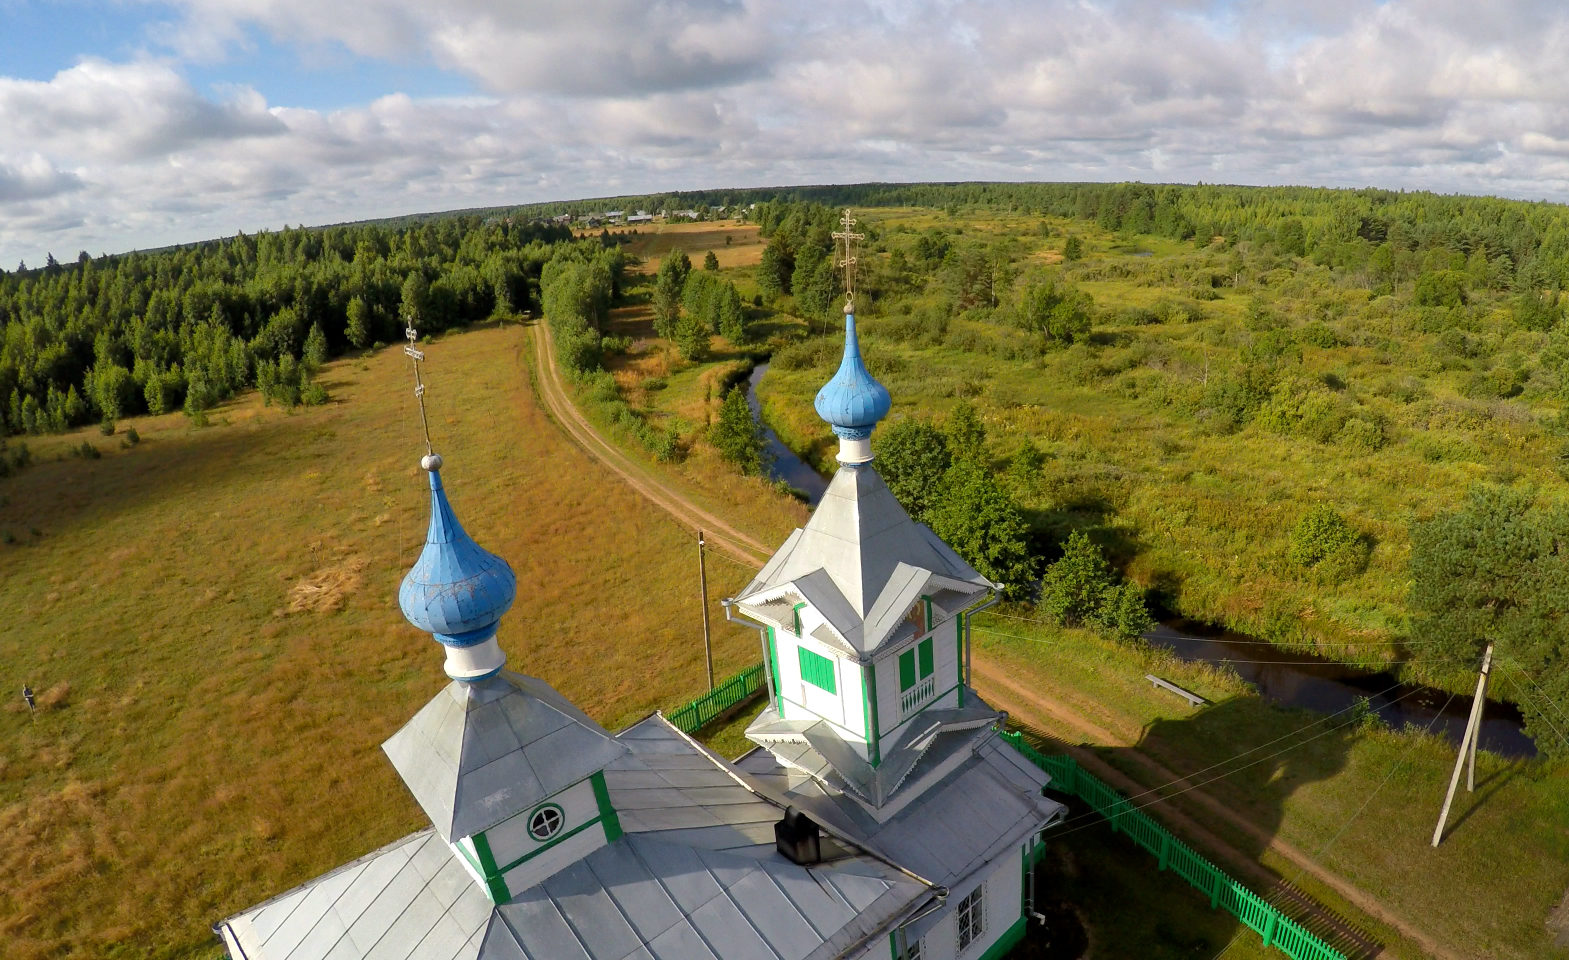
212,616
1360,800
1202,515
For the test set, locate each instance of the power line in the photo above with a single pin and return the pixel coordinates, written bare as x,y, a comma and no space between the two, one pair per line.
1221,776
1284,663
1243,642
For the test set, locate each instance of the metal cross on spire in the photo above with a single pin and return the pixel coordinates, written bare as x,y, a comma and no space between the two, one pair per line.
415,354
848,260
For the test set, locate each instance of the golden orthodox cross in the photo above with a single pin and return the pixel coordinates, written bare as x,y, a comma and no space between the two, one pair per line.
415,354
848,260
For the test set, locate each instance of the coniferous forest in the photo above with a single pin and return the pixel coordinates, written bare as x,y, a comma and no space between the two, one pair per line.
100,339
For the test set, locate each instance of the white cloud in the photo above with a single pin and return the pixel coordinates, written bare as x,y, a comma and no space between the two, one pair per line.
593,98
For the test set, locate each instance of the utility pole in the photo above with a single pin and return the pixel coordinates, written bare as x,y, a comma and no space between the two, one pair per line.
702,578
1473,733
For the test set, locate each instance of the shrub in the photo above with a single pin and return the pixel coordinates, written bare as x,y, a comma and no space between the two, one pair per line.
1081,588
985,526
106,428
912,458
1362,434
1329,546
1440,288
808,354
737,435
131,438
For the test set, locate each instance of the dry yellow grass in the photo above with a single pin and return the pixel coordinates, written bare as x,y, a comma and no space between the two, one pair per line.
652,244
212,617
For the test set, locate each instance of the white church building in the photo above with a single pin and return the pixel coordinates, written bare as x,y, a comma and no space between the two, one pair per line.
880,815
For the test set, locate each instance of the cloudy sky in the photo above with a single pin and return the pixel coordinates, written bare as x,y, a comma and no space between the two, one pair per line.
131,124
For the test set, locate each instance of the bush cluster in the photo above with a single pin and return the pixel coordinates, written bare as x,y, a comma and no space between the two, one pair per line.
1081,588
1328,546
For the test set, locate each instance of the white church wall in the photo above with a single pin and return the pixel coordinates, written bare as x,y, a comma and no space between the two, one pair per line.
845,707
510,840
557,858
1001,899
891,700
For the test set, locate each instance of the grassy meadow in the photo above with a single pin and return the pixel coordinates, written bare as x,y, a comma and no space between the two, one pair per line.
1203,514
1382,417
1357,797
210,619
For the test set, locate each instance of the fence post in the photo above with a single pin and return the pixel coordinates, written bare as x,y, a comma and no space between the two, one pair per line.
1165,848
1269,926
1214,885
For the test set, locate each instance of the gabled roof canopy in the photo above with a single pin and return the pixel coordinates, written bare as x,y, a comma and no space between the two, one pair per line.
861,562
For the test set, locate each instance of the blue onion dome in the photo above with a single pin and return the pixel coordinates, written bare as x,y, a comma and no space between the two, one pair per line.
456,590
853,401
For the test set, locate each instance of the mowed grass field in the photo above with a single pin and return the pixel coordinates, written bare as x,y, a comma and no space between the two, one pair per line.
210,618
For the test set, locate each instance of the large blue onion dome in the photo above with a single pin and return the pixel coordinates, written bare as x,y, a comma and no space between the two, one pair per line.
853,401
456,590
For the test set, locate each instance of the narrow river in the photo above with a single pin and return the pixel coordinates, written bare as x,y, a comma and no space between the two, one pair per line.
1280,676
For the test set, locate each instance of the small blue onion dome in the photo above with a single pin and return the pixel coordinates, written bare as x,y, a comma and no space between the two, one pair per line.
456,589
853,401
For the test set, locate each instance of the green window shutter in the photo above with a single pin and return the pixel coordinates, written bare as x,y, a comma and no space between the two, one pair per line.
926,657
817,669
906,670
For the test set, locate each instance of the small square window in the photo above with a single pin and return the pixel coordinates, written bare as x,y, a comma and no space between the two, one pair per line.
817,670
971,917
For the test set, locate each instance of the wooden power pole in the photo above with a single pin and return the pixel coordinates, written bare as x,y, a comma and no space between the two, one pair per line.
702,578
1473,733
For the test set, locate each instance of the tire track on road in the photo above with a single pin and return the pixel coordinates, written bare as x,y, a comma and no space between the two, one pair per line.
552,390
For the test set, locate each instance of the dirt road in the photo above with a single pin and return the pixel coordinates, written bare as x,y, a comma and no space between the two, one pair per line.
552,390
1024,703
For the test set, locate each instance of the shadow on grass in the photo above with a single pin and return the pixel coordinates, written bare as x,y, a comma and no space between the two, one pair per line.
58,496
1133,909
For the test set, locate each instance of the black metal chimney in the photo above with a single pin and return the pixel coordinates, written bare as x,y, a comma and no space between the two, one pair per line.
796,837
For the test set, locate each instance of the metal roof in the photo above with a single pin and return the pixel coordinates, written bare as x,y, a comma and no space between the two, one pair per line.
815,749
695,876
860,561
481,752
991,802
411,898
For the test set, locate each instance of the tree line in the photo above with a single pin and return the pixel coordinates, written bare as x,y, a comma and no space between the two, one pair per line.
100,339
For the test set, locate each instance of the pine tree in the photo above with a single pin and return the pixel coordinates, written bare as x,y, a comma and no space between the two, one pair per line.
359,323
691,336
732,316
737,436
315,349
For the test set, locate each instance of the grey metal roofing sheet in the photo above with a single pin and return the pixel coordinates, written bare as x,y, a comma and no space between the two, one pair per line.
861,541
661,892
410,898
479,753
989,802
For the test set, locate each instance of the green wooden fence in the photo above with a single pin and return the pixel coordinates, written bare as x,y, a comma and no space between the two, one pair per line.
1225,893
699,713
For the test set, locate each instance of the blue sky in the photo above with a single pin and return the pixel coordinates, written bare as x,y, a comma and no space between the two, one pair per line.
133,124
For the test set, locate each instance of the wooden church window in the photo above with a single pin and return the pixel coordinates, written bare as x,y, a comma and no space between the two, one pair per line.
817,670
917,658
971,915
